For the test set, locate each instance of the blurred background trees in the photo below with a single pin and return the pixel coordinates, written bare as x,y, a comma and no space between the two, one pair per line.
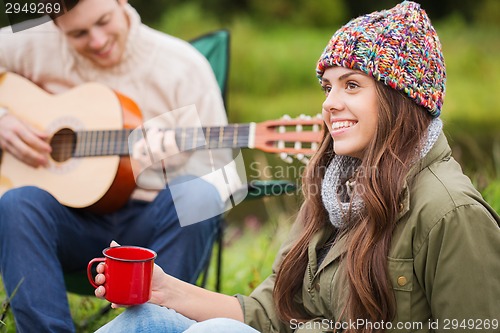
319,13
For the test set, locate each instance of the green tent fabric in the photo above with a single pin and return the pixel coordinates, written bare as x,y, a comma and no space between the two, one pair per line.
215,47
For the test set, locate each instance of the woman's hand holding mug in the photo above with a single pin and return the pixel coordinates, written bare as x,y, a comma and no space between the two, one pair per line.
125,275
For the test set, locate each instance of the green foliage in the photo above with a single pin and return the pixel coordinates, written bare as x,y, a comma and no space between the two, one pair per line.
312,13
472,70
249,253
492,195
317,13
488,14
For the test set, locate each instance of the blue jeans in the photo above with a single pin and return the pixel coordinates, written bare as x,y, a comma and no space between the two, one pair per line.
40,240
150,318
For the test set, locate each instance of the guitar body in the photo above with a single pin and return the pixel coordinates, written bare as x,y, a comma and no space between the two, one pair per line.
99,183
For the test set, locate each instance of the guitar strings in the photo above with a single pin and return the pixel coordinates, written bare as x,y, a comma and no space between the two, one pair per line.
92,143
66,143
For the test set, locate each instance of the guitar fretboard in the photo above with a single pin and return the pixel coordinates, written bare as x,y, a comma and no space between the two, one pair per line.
116,142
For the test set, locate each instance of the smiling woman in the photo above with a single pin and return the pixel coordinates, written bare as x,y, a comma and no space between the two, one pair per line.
350,110
385,70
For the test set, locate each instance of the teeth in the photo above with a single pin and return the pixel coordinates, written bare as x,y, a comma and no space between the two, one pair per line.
342,124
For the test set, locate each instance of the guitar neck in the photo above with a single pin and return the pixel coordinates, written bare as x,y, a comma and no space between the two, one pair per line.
116,142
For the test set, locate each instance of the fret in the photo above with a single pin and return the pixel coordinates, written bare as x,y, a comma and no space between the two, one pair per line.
93,142
81,143
135,136
235,135
228,137
190,145
88,143
195,137
129,135
79,140
221,136
251,135
115,142
105,141
183,139
99,143
207,137
121,142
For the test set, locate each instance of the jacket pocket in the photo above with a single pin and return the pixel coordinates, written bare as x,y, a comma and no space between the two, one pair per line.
401,276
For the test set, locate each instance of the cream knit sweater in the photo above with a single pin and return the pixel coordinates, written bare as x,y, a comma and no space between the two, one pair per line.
159,72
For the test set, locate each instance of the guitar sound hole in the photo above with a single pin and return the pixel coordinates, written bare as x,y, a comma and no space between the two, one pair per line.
63,145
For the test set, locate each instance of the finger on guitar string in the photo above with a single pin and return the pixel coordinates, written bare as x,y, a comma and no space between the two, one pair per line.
140,153
24,142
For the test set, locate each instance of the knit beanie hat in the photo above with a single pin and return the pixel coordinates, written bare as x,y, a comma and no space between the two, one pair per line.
398,47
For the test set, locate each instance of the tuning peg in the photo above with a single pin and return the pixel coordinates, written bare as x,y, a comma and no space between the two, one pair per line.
302,158
286,158
287,117
316,127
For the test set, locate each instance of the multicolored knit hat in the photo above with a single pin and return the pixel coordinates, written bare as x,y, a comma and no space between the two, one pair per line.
398,47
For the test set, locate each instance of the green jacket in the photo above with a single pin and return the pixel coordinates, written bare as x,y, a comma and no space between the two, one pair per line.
444,261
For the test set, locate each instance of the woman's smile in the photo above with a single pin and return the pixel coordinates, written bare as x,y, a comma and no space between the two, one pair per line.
350,110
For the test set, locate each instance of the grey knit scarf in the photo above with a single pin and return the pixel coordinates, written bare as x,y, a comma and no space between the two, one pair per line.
339,192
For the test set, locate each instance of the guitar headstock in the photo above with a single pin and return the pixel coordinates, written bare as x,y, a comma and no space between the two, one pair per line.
299,137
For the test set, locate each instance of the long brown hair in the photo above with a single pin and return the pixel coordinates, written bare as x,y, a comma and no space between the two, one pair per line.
402,125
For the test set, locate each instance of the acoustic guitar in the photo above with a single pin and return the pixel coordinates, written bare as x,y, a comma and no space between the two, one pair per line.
89,128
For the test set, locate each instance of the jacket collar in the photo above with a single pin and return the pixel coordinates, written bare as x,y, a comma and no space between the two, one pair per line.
319,240
440,150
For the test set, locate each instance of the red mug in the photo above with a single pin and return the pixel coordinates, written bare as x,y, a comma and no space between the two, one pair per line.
129,272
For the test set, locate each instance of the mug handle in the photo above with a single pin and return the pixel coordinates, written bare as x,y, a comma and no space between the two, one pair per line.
89,270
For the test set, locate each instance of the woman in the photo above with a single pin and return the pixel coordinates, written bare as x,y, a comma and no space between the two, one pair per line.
397,239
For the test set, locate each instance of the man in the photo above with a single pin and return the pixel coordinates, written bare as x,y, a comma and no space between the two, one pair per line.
41,239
